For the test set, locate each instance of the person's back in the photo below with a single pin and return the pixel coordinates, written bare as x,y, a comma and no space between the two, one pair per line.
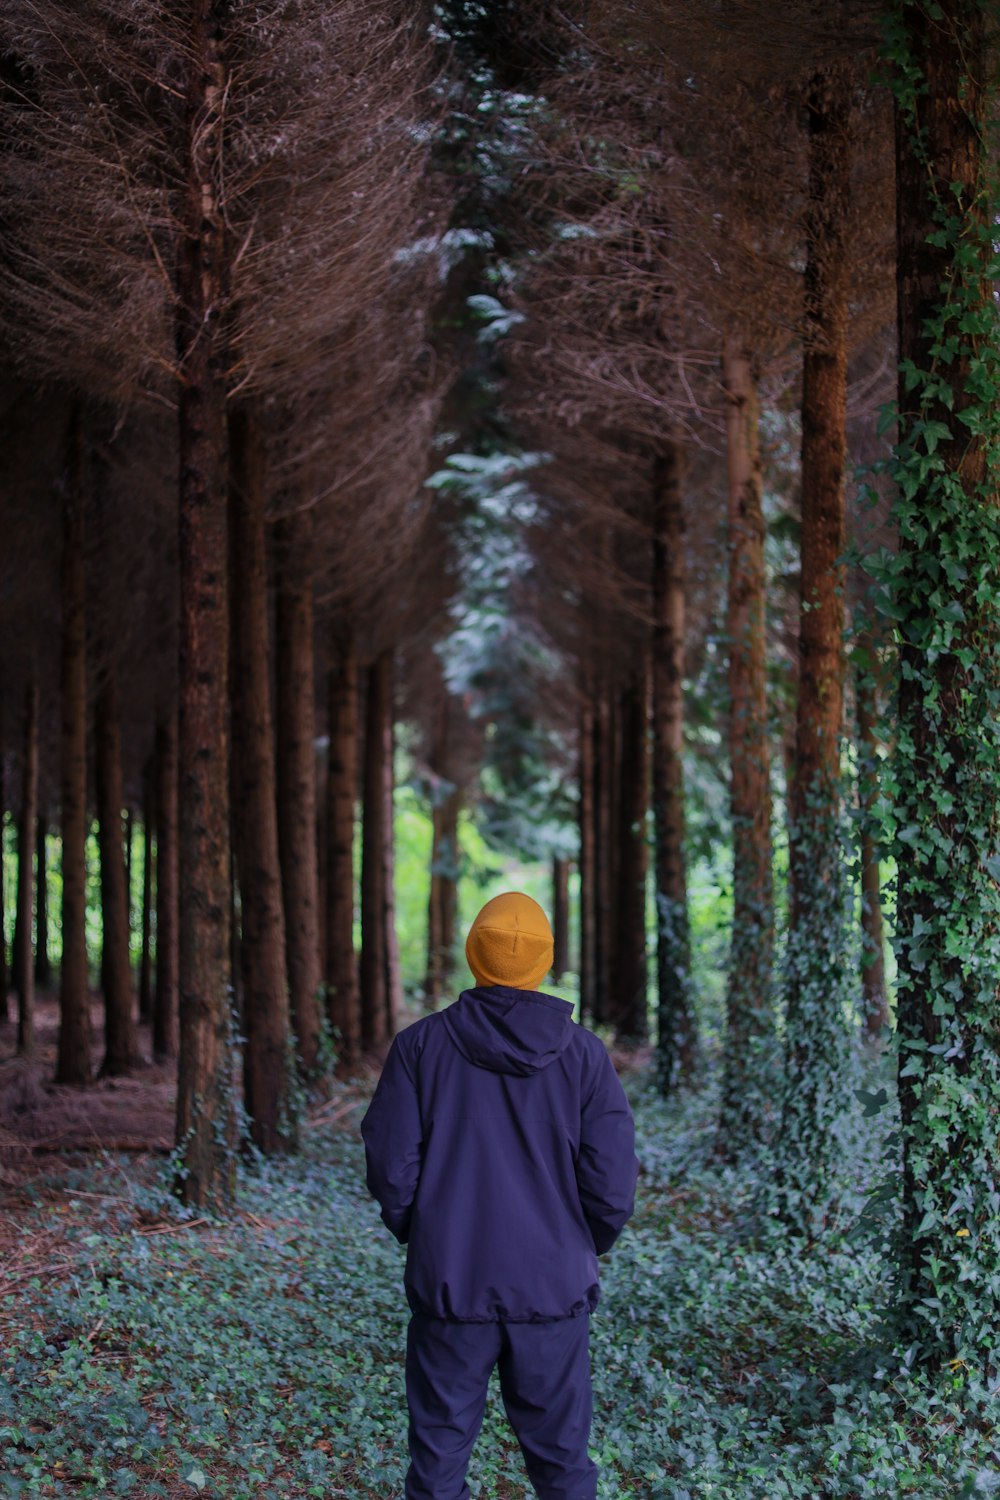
500,1148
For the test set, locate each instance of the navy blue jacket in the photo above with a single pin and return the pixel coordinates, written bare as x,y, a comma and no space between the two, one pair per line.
500,1147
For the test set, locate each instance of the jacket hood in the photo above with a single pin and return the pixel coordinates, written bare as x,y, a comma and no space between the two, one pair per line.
509,1030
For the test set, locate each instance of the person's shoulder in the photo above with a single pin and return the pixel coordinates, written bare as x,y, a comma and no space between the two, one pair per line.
414,1037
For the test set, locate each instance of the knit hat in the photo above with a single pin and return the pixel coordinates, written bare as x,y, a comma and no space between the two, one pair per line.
510,943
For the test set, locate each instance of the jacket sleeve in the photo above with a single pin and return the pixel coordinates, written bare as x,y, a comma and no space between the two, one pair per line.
606,1168
393,1139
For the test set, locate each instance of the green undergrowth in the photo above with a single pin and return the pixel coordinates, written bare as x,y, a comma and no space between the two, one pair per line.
262,1356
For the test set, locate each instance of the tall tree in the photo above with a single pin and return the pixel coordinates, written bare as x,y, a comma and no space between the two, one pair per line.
267,1056
43,967
343,995
748,999
296,771
23,957
946,607
165,1016
627,1010
121,1044
676,1037
375,996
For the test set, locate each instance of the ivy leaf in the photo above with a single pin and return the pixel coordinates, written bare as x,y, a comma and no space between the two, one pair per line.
872,1103
196,1477
993,866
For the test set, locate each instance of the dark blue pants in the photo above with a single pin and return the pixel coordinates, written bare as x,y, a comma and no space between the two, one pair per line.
545,1383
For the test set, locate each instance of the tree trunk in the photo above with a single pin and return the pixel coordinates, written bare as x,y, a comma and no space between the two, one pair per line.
43,968
146,957
443,901
74,1060
165,1002
296,713
628,1013
605,792
121,1046
374,938
676,1040
586,864
818,965
560,917
876,1000
206,1119
341,795
4,1003
24,965
749,1006
267,1055
946,592
393,975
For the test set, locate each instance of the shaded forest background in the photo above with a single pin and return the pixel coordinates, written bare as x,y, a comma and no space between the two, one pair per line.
461,446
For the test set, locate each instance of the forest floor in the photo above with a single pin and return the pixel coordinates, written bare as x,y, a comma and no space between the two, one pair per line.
149,1351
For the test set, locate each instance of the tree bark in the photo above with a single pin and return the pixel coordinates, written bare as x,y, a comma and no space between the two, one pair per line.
586,863
442,904
43,968
24,964
628,1013
393,974
4,1002
375,1003
206,1121
876,1001
343,996
749,1005
267,1053
146,957
605,793
676,1041
74,1061
560,917
296,764
165,1002
121,1045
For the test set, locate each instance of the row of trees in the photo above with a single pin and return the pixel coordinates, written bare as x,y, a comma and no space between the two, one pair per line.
677,238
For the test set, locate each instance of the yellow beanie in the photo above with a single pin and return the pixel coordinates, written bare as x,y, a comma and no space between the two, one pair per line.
510,943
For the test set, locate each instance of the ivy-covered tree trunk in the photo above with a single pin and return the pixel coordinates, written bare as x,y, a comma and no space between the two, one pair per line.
165,996
73,1064
296,765
946,603
343,994
586,862
43,968
818,966
560,917
267,1058
876,1000
627,1012
23,957
749,1002
206,1118
121,1042
676,1039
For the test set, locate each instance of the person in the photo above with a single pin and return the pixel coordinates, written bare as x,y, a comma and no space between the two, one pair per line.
501,1149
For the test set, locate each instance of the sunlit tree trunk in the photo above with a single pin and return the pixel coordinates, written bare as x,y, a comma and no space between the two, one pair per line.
560,916
267,1057
676,1040
627,1012
296,728
343,995
206,1121
121,1045
165,1000
749,1008
74,1060
24,963
43,968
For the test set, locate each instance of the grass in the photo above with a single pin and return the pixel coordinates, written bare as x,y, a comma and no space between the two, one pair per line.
261,1356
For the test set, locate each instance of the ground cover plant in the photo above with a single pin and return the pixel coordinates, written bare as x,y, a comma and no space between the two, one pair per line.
159,1352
